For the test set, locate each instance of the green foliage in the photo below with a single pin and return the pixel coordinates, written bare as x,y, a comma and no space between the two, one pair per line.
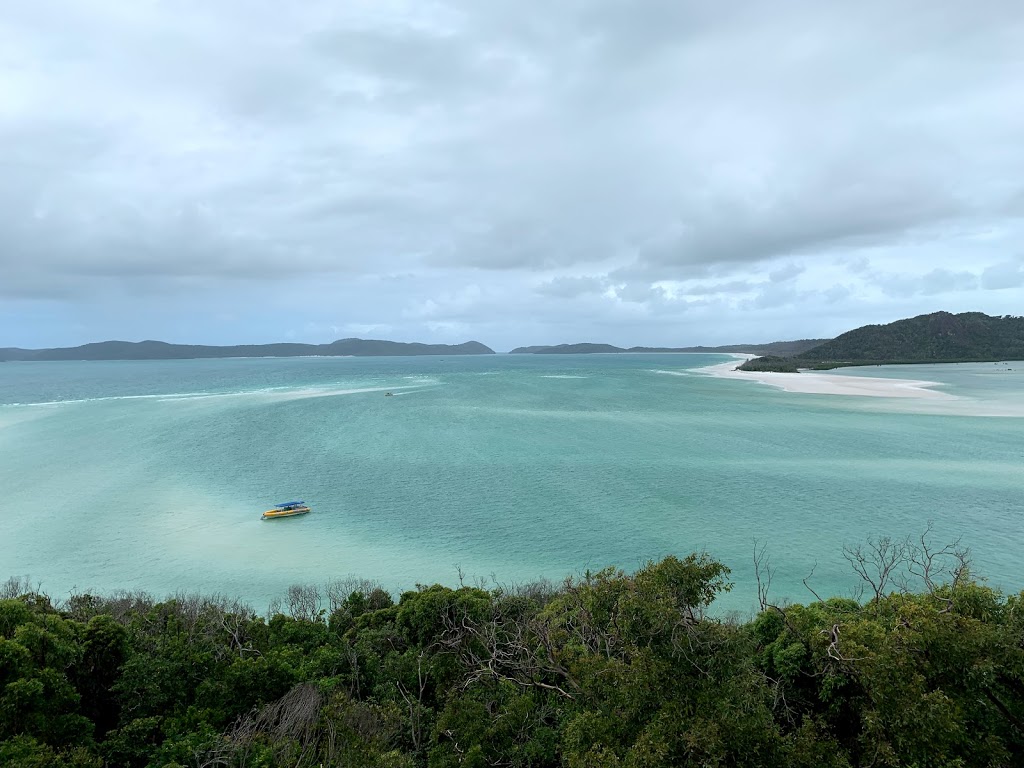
773,363
614,669
26,752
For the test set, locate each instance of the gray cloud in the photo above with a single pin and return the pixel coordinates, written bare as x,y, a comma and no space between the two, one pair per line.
640,293
786,272
1006,274
937,281
216,147
727,287
570,287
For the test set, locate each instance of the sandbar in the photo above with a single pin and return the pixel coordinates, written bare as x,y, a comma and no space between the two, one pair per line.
815,383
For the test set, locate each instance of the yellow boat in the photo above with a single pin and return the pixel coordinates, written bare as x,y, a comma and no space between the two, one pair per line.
288,509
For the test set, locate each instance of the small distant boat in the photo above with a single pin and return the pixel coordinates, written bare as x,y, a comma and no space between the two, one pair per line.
388,394
288,509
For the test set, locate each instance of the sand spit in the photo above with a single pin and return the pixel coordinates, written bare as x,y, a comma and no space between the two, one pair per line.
814,383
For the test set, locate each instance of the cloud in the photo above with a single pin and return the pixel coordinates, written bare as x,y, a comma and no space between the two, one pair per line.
937,281
571,287
640,293
818,217
224,149
786,272
713,289
1006,274
775,295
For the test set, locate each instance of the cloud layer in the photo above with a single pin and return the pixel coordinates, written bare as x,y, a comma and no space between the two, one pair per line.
664,171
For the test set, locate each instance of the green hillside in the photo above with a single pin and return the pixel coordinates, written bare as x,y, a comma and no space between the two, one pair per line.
940,337
927,338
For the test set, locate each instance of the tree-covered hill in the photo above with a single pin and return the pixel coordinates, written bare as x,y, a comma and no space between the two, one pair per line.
611,670
936,338
774,347
568,349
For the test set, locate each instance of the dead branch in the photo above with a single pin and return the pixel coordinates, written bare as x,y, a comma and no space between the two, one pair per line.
763,572
505,646
808,578
877,562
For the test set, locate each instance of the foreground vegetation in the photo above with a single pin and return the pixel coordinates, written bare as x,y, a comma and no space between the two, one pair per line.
612,669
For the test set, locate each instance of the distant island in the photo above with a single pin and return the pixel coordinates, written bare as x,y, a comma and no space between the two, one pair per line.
160,350
772,348
940,337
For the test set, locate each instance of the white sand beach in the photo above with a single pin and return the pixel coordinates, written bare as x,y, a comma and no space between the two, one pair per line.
814,383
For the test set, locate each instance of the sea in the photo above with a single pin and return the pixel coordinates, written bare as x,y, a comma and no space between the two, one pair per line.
489,470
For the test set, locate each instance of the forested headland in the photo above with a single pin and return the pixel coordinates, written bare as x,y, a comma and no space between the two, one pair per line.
611,669
940,337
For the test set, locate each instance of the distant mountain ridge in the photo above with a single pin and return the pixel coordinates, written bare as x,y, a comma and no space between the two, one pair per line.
567,349
161,350
940,337
775,347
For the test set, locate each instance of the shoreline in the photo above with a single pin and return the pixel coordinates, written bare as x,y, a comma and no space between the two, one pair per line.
814,383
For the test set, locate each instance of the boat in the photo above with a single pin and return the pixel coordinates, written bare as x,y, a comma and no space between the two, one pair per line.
288,509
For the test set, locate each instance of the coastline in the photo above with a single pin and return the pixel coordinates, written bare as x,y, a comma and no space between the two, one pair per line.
813,383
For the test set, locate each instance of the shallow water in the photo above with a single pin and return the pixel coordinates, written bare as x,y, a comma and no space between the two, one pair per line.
152,475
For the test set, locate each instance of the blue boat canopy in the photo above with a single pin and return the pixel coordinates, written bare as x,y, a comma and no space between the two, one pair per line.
290,504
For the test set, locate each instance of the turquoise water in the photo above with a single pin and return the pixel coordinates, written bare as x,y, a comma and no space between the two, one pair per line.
152,475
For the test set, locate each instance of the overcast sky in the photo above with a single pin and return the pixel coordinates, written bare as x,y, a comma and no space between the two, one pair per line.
627,171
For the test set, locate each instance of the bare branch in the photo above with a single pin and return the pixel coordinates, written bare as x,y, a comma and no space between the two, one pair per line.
833,647
304,602
17,586
877,563
763,572
938,567
339,591
807,578
507,645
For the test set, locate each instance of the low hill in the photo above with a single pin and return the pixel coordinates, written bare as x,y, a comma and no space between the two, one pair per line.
940,337
567,349
161,350
775,348
771,348
370,347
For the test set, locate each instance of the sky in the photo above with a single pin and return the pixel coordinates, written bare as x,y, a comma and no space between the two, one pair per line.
636,172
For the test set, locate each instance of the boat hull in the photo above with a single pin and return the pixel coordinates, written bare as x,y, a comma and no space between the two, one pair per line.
273,514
